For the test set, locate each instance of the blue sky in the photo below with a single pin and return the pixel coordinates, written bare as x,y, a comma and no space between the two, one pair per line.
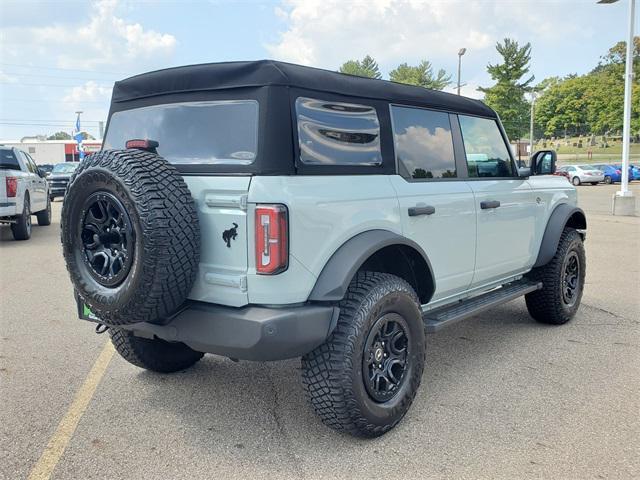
57,57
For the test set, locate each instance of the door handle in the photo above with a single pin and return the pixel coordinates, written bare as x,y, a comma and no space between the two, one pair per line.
421,210
489,204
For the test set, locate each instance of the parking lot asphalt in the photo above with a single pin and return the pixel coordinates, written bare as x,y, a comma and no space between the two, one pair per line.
501,396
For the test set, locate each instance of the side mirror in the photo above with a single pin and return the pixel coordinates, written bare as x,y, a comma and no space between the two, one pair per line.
543,162
41,173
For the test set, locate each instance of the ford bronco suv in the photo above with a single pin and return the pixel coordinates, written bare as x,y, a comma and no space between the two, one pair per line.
264,211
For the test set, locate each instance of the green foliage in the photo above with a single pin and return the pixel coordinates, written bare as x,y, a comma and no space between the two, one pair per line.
591,103
59,136
367,67
421,75
506,96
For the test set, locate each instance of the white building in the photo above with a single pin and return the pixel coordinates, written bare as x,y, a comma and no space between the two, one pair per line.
53,151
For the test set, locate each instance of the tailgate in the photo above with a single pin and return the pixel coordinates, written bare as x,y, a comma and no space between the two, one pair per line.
222,212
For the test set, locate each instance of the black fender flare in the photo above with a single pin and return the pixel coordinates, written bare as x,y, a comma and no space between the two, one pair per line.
563,215
333,281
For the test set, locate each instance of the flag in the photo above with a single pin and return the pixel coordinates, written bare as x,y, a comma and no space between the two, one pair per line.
78,137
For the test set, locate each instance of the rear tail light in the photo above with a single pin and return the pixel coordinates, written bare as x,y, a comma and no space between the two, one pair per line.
12,186
272,239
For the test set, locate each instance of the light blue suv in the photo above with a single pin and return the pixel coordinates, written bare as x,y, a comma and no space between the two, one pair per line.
263,211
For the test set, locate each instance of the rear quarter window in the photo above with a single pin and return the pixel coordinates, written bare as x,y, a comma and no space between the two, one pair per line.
337,133
211,133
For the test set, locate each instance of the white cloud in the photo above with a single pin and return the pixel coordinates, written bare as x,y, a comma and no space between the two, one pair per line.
6,78
325,33
89,92
104,40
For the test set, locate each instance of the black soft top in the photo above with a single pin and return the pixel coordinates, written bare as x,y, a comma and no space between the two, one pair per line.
264,73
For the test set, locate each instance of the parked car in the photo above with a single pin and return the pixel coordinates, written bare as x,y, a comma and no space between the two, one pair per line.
23,192
304,215
59,178
583,174
634,171
612,173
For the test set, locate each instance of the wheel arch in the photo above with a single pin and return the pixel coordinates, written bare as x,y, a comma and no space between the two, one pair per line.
375,250
564,215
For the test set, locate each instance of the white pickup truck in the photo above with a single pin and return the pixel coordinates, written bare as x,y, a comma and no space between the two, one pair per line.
23,192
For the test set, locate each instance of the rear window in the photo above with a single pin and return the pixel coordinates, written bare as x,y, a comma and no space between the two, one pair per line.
221,132
8,160
336,133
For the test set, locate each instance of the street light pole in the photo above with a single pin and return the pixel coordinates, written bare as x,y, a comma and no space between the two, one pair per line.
628,81
533,101
461,52
623,200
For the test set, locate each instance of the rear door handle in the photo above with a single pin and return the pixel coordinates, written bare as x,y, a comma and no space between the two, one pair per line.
421,210
489,204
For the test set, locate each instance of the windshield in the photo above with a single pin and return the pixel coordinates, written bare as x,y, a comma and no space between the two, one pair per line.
64,168
587,167
221,132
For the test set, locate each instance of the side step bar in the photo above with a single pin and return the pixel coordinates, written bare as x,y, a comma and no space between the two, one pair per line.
438,318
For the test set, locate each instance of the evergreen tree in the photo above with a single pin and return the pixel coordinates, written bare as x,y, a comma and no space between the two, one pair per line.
506,96
421,75
367,67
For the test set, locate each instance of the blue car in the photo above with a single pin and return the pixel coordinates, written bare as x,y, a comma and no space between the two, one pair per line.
634,171
612,173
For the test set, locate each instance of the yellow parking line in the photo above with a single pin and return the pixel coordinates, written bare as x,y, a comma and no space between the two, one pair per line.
60,439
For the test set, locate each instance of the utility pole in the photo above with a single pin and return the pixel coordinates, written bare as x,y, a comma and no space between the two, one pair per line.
461,52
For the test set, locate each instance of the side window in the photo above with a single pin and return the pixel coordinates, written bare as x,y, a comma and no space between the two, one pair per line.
25,160
486,150
423,143
334,133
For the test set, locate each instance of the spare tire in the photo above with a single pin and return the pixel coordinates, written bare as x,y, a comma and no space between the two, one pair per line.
130,236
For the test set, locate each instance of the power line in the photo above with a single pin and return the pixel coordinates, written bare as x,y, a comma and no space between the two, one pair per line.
46,100
38,75
62,69
21,84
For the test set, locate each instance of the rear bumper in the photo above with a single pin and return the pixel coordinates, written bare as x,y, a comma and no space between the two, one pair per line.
8,208
247,333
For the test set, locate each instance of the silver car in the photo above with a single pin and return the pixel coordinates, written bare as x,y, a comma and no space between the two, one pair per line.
579,174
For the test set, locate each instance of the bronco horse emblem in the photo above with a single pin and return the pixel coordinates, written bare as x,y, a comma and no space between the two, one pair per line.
230,234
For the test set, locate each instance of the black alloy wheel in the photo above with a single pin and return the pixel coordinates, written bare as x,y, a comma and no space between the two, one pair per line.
384,361
570,279
108,238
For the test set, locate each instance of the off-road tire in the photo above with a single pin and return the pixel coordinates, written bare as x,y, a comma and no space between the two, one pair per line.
21,229
332,374
153,354
547,305
44,216
165,235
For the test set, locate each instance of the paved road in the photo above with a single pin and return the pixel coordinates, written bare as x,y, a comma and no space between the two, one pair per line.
501,397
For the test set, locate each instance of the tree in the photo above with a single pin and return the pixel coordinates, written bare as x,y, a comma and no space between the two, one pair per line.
420,75
368,67
591,103
507,95
59,136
